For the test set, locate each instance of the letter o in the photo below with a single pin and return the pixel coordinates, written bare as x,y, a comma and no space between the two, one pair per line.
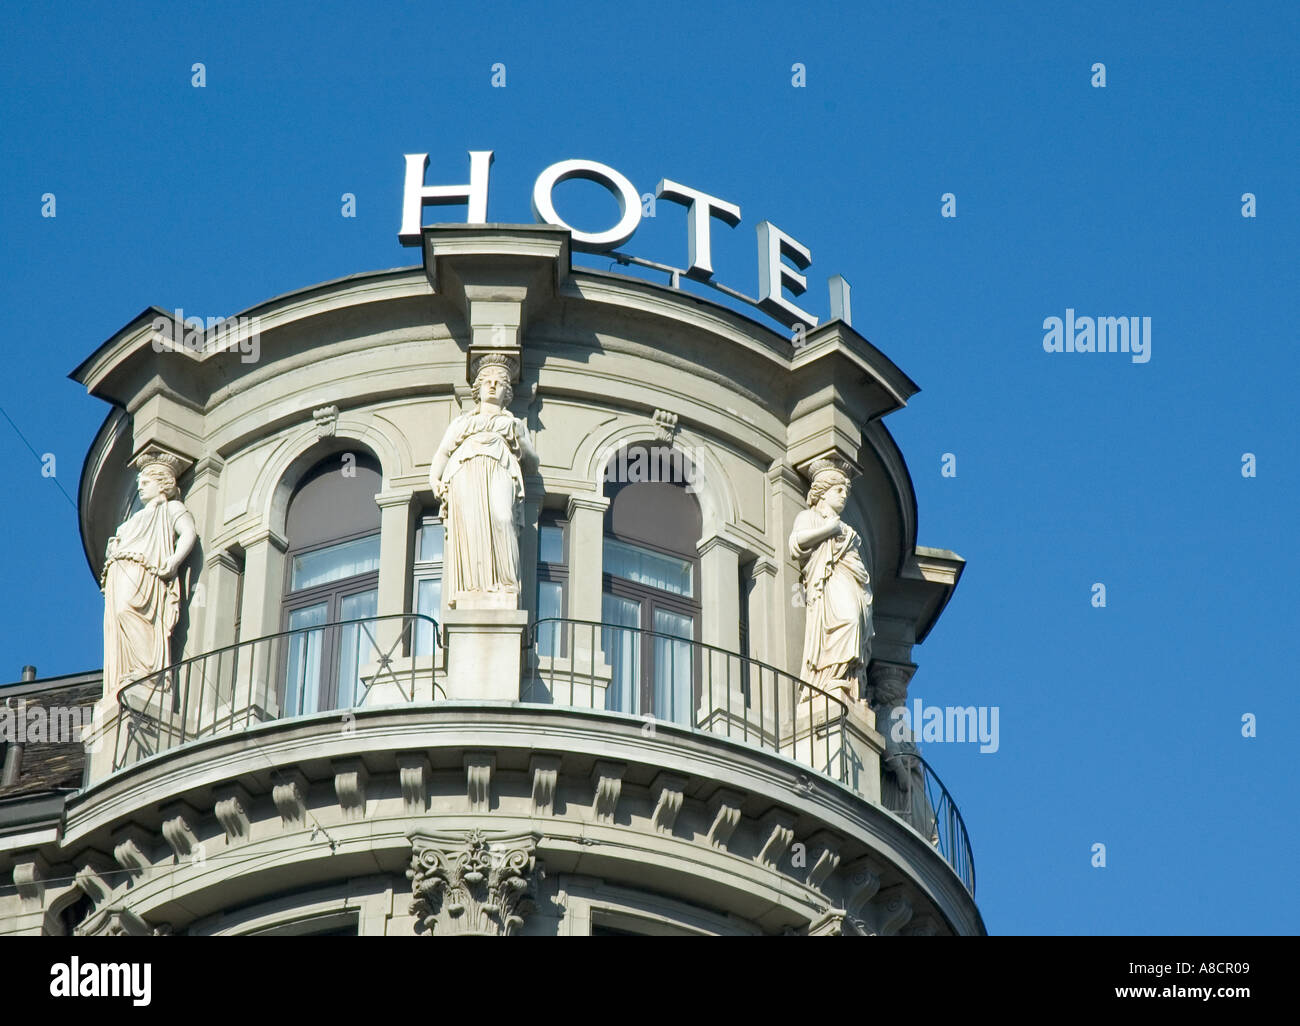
629,202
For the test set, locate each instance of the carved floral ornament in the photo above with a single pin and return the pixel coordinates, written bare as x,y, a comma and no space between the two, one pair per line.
473,884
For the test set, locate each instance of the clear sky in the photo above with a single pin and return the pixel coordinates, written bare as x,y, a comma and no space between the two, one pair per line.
1120,725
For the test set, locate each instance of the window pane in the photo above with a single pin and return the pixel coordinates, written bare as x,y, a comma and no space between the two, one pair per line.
550,603
431,539
303,669
672,667
550,545
428,602
622,650
356,647
633,563
347,559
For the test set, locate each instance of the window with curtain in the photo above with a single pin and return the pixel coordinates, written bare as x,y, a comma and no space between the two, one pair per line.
426,581
651,603
552,585
331,591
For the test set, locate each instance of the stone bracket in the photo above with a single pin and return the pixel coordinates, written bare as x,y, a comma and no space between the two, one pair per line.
290,796
413,772
179,820
669,792
131,847
724,807
777,832
828,859
545,771
608,780
479,767
231,809
350,780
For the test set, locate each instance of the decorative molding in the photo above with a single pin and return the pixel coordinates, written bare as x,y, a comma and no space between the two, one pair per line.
889,682
828,859
473,884
222,559
893,911
396,497
116,922
545,771
178,822
89,878
862,882
29,880
413,772
290,797
350,780
608,780
669,791
831,924
131,849
720,541
231,809
591,503
327,421
665,426
479,767
725,808
777,832
923,927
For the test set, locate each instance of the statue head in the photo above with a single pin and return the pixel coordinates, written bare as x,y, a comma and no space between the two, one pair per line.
830,482
492,377
154,480
158,471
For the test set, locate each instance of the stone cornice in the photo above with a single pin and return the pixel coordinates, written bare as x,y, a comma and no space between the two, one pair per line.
514,733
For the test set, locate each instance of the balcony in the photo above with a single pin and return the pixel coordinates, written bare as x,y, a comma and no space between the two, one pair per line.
649,676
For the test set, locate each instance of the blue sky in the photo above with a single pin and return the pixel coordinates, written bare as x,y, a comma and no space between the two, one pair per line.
1120,725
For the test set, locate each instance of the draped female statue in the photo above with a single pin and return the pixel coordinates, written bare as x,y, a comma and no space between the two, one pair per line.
478,476
142,592
836,587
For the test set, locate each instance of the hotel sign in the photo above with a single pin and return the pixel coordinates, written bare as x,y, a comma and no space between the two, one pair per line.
775,247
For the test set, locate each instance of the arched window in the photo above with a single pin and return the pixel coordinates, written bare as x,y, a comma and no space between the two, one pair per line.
651,587
331,583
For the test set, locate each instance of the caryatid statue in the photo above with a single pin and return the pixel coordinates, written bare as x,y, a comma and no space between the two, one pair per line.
836,587
477,474
142,591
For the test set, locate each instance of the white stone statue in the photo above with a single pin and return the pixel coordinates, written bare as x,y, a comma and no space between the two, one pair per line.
142,592
477,473
836,587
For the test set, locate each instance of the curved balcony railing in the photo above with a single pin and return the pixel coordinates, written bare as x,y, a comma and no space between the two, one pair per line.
912,790
378,660
666,678
663,677
659,677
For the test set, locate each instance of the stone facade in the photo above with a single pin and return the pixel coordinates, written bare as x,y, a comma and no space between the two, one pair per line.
453,806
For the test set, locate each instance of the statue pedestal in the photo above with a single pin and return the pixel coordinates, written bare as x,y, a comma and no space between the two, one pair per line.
484,650
845,747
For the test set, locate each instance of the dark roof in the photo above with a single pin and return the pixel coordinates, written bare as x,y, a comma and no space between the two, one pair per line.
50,766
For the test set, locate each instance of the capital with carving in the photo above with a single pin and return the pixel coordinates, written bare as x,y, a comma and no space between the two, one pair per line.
473,884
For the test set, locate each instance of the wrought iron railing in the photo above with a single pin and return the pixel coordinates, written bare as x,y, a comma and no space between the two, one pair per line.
665,678
379,660
912,790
